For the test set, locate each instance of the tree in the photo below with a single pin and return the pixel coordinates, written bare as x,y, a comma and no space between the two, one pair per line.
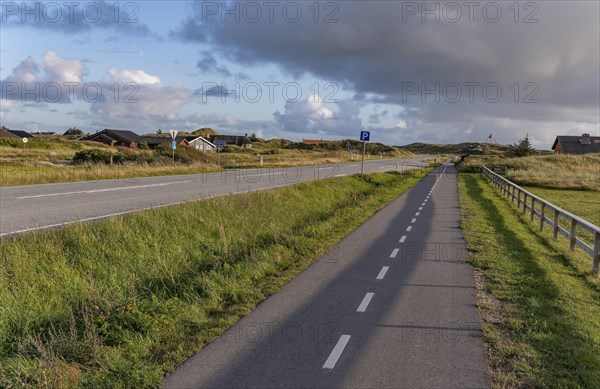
522,148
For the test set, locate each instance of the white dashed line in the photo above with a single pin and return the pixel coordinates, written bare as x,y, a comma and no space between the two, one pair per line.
365,302
336,352
382,272
402,239
103,190
420,208
408,228
413,220
394,253
417,214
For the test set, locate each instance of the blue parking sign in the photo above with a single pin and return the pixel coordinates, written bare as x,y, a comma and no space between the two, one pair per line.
365,136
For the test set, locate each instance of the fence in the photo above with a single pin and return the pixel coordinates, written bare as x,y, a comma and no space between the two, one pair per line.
522,197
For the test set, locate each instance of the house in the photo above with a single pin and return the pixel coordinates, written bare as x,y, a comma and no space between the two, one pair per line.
74,131
201,144
584,144
237,140
115,138
6,133
154,142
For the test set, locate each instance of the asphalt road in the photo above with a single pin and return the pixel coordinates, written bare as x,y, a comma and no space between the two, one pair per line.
392,305
31,207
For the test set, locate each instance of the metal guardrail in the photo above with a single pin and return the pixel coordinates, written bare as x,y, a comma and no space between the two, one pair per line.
522,197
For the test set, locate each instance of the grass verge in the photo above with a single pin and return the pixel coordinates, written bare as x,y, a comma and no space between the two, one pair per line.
559,171
119,303
539,305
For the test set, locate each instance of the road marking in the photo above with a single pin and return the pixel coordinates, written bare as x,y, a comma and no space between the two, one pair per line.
103,190
394,253
420,208
382,272
422,204
336,352
408,228
413,220
417,214
403,239
341,175
124,213
365,302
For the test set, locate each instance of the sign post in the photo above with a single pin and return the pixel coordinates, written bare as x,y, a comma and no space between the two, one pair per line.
174,142
365,136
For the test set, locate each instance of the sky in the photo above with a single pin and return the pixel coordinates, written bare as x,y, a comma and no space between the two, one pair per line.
436,72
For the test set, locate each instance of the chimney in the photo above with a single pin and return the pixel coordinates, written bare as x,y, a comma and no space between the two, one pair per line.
585,139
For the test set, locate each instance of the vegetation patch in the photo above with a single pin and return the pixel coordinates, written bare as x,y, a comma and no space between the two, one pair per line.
559,171
540,306
120,303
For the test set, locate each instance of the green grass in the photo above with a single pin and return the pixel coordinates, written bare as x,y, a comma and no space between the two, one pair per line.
557,171
583,203
540,306
42,160
119,303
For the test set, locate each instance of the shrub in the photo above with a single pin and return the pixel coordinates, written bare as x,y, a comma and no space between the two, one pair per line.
96,156
183,154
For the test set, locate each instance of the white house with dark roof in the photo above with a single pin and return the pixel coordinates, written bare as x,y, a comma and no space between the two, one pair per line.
202,144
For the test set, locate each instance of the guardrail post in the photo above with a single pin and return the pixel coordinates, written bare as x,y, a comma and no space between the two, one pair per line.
555,232
524,202
532,209
512,198
596,258
572,235
542,216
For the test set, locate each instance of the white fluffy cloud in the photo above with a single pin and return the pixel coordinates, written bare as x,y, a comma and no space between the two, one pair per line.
136,76
125,98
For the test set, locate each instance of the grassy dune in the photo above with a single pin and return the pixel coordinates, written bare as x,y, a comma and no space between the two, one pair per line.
540,305
119,303
38,162
546,171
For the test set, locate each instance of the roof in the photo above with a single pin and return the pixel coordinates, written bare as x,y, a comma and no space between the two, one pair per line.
192,139
156,140
572,144
6,134
20,134
127,136
231,139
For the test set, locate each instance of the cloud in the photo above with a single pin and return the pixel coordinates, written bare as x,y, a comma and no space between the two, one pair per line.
208,64
557,66
143,100
125,98
312,117
75,17
56,80
134,76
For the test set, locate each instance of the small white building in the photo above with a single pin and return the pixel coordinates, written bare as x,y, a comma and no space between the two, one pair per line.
202,144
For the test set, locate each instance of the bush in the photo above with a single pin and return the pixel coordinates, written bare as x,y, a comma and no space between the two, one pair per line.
11,142
95,156
183,154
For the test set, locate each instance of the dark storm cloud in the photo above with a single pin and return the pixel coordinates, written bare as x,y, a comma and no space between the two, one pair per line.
209,64
544,59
